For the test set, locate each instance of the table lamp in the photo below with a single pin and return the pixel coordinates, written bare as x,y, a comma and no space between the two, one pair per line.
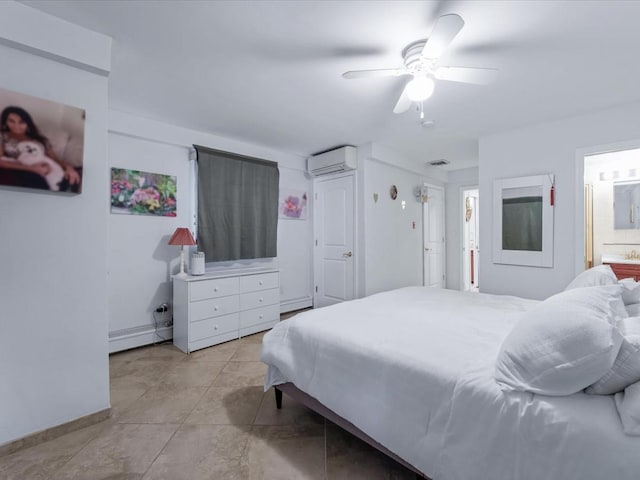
182,236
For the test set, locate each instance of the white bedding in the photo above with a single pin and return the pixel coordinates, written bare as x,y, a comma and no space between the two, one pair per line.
413,368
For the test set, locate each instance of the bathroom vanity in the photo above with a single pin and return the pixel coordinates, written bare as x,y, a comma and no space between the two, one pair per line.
623,267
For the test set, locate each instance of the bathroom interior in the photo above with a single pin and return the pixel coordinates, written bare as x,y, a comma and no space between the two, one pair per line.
612,211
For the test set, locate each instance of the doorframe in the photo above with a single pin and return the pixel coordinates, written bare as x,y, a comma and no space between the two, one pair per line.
461,225
356,245
444,234
579,228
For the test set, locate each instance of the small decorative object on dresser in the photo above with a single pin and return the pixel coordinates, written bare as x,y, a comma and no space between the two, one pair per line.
197,264
222,306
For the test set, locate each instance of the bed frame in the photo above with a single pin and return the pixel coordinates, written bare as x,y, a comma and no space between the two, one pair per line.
308,401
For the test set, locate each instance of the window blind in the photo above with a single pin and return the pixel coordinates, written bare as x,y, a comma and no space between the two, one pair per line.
237,206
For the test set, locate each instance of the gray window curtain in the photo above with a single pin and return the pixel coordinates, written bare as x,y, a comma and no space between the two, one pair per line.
237,206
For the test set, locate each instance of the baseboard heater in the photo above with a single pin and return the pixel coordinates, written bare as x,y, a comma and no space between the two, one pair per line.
137,337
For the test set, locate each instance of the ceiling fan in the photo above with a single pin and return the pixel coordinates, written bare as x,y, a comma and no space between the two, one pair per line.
420,60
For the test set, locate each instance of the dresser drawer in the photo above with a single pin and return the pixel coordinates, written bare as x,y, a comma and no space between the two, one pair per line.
263,281
248,318
216,287
211,327
213,307
259,299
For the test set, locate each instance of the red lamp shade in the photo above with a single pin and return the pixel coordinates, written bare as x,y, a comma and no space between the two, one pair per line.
182,236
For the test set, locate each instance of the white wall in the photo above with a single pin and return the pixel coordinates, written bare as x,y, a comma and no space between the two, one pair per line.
390,245
547,148
140,261
457,179
53,345
295,245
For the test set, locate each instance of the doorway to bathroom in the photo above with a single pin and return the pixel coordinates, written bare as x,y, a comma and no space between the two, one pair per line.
612,208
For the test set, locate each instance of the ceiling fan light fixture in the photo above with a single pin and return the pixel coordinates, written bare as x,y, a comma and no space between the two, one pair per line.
420,88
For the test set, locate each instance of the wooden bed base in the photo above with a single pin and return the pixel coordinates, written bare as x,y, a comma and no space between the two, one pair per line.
308,401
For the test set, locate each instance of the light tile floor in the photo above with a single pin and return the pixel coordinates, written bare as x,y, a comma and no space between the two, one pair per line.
200,416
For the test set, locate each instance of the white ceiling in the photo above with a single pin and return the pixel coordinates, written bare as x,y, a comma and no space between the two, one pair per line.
269,72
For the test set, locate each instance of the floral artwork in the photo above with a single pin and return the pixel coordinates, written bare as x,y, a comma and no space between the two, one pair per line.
142,193
293,205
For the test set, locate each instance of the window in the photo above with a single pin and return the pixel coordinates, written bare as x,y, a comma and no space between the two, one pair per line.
237,206
523,221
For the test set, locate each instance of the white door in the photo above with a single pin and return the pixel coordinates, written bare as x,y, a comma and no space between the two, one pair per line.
334,257
470,238
433,237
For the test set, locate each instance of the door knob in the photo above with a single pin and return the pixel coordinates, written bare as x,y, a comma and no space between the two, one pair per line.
347,254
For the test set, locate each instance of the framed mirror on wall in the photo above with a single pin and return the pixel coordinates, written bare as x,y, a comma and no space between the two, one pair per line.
626,205
523,220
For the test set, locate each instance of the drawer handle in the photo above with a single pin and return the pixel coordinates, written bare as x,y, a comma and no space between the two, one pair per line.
260,300
260,316
260,282
215,289
215,327
215,309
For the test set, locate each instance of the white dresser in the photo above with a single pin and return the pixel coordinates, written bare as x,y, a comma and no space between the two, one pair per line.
217,307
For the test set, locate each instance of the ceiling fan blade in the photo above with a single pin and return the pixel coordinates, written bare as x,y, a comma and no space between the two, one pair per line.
447,27
477,76
385,72
404,103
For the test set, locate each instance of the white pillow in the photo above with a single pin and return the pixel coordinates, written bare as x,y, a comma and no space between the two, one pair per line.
600,275
633,310
618,309
562,345
630,291
626,368
630,328
628,405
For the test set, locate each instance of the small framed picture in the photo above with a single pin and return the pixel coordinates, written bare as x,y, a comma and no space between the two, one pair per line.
292,204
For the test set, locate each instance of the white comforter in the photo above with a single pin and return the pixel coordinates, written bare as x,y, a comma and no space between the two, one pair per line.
413,368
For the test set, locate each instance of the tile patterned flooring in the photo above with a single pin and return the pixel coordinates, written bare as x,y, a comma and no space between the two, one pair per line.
200,416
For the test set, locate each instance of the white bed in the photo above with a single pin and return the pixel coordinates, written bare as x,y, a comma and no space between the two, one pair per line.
413,369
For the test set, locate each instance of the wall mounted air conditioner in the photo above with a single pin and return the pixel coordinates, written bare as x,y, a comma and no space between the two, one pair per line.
339,160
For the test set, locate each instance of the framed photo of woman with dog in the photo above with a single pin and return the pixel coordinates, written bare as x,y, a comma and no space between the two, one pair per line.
41,143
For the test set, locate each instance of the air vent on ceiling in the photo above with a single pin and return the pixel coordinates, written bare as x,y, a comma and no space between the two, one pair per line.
438,163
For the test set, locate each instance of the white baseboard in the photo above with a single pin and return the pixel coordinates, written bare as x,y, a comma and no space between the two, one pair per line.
146,335
295,304
137,337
